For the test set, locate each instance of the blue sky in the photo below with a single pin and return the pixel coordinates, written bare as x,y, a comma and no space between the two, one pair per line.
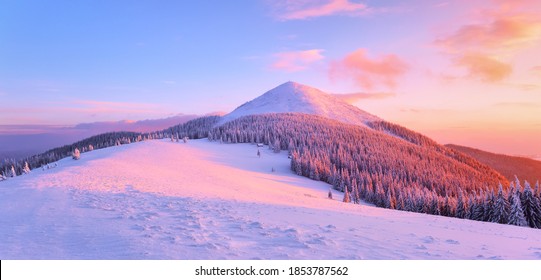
459,71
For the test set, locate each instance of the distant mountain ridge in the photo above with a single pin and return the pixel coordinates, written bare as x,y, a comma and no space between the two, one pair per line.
509,166
292,97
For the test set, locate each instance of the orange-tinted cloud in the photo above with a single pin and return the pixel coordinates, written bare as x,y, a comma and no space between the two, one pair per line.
502,32
305,9
485,68
369,72
355,97
296,60
505,33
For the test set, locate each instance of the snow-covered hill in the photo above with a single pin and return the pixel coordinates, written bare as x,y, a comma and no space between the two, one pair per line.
293,97
204,200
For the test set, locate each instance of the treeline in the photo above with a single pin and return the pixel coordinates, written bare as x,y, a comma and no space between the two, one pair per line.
405,171
8,166
194,129
197,128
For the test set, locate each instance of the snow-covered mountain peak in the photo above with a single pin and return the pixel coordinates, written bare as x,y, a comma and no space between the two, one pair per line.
292,97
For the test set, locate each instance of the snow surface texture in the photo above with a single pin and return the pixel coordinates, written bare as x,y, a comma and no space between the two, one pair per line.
204,200
293,97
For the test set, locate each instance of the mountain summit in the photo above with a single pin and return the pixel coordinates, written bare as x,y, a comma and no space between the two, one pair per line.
293,97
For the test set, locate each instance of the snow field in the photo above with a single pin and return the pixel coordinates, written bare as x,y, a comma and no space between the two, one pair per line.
205,200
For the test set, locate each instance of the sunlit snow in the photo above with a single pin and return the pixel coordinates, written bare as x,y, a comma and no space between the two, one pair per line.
205,200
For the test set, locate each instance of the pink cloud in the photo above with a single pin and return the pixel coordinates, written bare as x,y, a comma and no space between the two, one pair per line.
296,60
369,72
485,68
503,31
305,9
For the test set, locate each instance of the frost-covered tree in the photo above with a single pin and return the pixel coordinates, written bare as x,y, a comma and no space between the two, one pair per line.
355,194
516,215
530,207
26,168
276,146
76,154
2,177
501,208
347,198
489,206
461,207
90,147
329,195
12,172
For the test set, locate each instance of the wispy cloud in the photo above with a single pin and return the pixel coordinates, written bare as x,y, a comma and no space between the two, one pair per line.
369,72
306,9
355,97
484,67
296,60
486,46
67,112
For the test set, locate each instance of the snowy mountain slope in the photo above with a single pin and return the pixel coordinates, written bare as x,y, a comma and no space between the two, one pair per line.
293,97
204,200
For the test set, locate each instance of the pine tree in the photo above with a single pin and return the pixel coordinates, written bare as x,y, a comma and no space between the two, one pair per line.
489,206
13,173
26,168
446,207
478,212
76,154
330,194
355,192
471,208
347,198
530,207
461,207
516,215
501,208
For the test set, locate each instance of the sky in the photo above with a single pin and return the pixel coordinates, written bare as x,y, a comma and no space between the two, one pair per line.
463,72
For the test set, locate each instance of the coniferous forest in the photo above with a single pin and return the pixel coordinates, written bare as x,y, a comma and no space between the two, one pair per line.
384,164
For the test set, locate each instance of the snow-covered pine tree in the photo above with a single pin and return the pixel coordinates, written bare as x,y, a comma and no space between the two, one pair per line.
76,154
471,207
12,172
501,208
355,192
329,195
2,177
489,206
347,198
461,206
478,212
530,207
516,215
446,207
26,168
276,145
